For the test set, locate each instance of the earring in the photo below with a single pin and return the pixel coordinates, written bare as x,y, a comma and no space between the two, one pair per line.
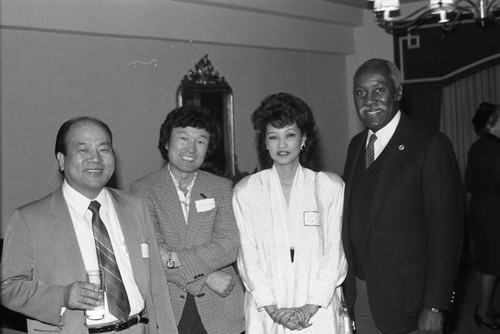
302,147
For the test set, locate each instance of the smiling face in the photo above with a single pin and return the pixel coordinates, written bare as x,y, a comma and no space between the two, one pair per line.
284,144
89,162
375,97
187,149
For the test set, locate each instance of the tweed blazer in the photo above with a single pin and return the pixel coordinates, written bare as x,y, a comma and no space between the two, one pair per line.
41,256
207,243
415,226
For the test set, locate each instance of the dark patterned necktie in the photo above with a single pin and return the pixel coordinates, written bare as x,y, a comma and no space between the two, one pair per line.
370,151
118,304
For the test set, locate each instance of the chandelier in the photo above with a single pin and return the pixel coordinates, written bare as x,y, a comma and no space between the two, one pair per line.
447,12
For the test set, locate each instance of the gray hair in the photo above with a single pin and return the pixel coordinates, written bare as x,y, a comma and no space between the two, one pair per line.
377,62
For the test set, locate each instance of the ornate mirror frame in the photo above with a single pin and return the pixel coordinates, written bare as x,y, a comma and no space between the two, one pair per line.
204,87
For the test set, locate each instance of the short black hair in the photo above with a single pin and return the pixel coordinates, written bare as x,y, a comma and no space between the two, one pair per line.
192,116
486,114
62,134
280,110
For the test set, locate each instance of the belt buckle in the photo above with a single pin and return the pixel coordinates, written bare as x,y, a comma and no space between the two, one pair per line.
117,327
127,324
138,320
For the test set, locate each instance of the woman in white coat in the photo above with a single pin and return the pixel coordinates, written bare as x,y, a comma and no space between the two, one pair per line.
289,217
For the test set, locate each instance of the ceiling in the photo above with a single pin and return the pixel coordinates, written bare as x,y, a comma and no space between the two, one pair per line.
361,3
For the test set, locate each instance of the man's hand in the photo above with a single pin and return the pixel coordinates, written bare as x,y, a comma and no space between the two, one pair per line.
220,282
82,296
430,322
163,254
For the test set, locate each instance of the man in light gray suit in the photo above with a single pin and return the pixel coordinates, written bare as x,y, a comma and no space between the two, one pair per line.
49,246
195,226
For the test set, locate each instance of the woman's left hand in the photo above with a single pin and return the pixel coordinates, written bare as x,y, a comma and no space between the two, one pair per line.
308,310
284,314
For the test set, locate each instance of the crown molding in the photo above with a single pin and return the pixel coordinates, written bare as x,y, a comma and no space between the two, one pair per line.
305,25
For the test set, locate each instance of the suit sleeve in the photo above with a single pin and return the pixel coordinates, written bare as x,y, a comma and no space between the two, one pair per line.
444,221
333,267
21,291
161,305
201,260
135,188
249,262
171,274
221,251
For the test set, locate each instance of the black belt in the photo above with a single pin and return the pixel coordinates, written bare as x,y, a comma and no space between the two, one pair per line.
132,321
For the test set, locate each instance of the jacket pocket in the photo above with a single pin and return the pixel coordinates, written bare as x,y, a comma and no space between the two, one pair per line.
412,275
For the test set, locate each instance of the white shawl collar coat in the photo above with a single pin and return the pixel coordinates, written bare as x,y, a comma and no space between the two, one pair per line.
264,262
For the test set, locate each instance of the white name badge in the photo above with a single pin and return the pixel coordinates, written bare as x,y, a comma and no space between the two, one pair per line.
204,205
145,250
311,218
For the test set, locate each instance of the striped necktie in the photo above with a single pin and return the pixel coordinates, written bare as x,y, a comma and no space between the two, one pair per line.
370,151
118,304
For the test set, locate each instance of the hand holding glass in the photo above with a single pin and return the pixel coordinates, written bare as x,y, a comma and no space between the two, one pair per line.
96,277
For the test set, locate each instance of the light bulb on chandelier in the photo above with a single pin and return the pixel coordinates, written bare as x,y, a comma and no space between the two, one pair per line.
446,12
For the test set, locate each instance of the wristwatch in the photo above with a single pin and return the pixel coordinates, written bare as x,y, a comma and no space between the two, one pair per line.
170,261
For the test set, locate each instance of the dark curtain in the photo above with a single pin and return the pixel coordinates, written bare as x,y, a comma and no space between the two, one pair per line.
422,102
431,59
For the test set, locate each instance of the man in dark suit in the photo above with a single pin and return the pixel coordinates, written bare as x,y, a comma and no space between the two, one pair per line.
195,226
52,242
403,213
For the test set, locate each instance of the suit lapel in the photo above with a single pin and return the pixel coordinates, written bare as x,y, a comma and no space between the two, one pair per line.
64,233
200,192
132,229
395,153
167,194
353,154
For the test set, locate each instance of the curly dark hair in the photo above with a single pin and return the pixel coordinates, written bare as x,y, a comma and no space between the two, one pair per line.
280,110
62,134
193,116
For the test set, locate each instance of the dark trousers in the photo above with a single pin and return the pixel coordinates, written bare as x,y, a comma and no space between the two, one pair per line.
362,313
190,322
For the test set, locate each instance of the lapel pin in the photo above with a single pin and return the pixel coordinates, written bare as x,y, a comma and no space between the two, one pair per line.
401,147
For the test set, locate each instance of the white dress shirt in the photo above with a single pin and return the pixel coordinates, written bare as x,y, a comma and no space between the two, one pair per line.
82,222
184,198
384,135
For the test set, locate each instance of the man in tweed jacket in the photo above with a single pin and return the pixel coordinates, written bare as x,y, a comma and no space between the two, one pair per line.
195,226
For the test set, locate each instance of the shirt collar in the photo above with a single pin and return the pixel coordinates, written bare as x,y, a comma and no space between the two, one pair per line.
385,134
81,203
176,182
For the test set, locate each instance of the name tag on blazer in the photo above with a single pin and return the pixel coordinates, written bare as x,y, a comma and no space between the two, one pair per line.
311,218
145,250
204,205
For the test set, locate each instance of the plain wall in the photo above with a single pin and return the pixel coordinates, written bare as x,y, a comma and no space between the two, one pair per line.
56,68
131,83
